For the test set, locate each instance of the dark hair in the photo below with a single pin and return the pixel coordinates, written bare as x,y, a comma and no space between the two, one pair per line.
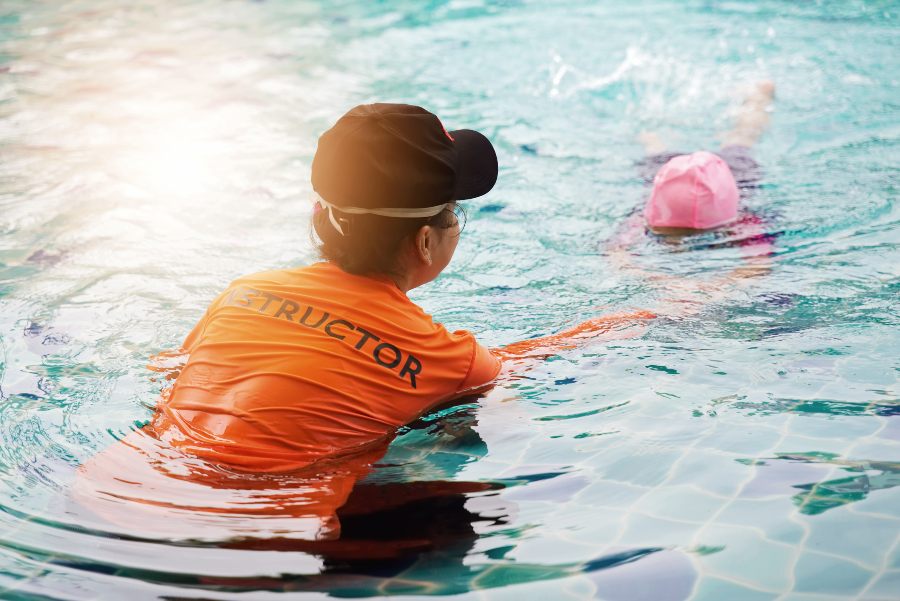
370,243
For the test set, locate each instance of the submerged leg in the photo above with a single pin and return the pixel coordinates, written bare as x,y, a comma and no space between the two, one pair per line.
753,117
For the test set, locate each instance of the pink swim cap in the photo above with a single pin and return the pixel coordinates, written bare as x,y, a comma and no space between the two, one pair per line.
694,191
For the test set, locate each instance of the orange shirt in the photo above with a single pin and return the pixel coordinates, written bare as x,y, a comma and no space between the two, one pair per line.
291,366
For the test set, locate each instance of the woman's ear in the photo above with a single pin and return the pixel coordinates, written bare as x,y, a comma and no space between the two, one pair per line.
423,241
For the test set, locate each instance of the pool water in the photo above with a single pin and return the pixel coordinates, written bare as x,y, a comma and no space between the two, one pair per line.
746,448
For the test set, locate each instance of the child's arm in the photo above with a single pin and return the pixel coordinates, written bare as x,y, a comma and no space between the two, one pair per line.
618,248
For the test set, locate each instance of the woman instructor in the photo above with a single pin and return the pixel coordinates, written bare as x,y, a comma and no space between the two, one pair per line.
293,365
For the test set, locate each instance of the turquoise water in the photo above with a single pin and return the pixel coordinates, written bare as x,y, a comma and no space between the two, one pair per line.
746,449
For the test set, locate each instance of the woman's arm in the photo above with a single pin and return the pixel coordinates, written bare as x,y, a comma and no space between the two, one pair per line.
607,327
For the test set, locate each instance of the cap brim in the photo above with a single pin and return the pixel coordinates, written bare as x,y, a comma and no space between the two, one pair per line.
476,169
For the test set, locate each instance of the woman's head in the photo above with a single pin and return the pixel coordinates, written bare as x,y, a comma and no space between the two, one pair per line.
369,244
692,191
387,178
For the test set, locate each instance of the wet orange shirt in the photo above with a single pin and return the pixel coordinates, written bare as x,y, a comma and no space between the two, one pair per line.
291,366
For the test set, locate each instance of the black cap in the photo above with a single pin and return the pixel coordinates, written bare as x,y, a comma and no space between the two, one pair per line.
381,156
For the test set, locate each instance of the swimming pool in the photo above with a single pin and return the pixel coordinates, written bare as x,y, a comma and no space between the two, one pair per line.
152,153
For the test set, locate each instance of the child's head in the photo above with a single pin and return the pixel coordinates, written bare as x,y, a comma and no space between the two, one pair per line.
692,192
387,178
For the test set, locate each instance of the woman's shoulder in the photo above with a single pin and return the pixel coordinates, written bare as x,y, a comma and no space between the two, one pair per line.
373,295
322,270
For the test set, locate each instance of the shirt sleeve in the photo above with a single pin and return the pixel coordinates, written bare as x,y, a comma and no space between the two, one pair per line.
484,369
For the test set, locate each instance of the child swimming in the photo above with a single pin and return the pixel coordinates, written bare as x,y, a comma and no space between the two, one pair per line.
702,192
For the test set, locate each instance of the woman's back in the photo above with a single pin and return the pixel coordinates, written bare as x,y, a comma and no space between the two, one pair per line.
293,365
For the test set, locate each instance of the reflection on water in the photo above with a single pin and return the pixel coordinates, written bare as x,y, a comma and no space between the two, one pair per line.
823,494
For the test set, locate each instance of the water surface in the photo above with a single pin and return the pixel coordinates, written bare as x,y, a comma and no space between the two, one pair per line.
750,449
